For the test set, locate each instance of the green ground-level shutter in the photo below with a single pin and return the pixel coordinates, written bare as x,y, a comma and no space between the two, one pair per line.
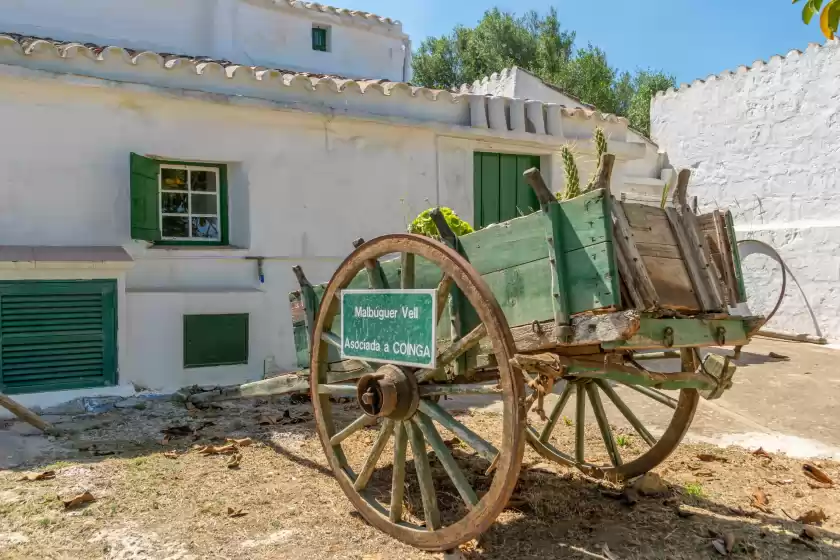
499,190
145,206
215,340
57,335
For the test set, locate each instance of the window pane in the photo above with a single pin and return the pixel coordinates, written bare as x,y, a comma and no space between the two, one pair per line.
205,228
173,203
204,204
203,181
173,179
174,226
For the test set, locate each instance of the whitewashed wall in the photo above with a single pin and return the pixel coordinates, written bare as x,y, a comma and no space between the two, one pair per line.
764,142
302,187
250,32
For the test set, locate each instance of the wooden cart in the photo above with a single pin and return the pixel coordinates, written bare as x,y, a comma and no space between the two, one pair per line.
557,307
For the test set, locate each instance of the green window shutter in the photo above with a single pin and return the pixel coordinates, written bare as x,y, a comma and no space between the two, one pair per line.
215,340
319,39
57,335
499,189
145,205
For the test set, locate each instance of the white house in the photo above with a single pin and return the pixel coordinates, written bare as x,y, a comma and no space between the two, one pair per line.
153,203
764,141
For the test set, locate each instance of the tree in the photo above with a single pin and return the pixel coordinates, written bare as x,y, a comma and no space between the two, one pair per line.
539,45
829,17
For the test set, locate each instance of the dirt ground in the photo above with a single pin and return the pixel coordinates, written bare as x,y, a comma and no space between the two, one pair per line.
159,499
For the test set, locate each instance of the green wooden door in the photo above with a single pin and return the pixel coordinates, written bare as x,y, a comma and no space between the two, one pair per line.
500,192
57,335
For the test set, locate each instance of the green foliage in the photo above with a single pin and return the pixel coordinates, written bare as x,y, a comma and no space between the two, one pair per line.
423,224
695,490
622,440
829,17
539,45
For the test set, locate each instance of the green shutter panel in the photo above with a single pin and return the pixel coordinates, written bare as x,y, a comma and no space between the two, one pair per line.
215,340
499,189
57,335
145,208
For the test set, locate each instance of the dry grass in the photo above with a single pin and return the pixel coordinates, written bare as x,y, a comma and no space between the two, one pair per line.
152,506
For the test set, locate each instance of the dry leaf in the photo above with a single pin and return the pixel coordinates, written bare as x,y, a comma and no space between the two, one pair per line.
720,546
171,454
231,512
819,486
176,431
708,457
85,498
729,541
816,473
779,356
629,497
46,475
269,420
760,500
761,453
214,450
166,439
233,462
244,442
812,517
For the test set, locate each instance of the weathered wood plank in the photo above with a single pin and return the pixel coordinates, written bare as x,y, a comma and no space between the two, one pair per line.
592,278
585,220
398,474
672,284
660,250
626,239
630,297
553,218
376,450
506,245
686,332
727,263
649,224
696,273
25,414
736,256
704,257
586,329
523,292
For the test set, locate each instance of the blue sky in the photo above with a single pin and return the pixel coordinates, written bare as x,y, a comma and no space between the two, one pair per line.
688,38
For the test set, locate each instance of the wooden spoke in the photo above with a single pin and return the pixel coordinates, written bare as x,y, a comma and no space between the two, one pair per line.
446,459
436,412
337,390
443,289
603,423
658,396
357,424
557,411
407,271
375,452
625,410
464,389
398,473
424,477
580,425
453,352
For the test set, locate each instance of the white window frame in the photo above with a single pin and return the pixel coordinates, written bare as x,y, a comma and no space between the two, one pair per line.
189,192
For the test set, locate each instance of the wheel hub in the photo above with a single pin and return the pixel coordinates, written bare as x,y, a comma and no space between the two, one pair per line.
389,392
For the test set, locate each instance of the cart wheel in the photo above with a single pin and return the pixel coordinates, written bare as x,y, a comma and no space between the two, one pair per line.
626,453
433,502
